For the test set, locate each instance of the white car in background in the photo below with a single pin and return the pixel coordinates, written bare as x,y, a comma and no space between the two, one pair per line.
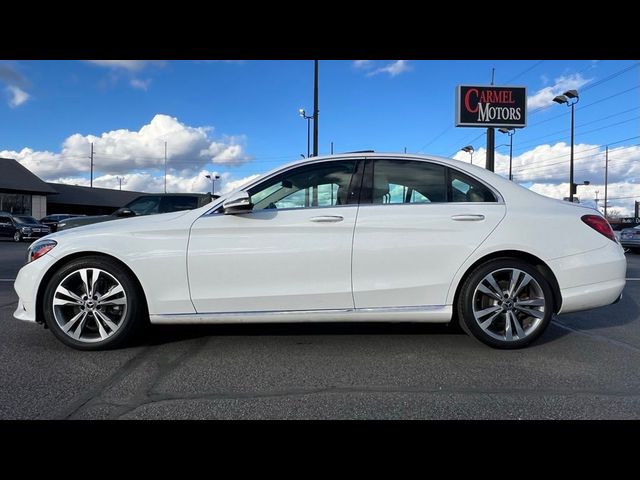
356,237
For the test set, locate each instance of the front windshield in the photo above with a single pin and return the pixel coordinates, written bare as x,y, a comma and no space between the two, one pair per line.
144,205
26,220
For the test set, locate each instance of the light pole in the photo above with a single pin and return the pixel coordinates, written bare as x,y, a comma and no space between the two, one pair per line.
510,132
303,114
469,149
213,179
565,98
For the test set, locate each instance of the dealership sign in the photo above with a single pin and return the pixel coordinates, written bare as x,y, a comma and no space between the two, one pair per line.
491,106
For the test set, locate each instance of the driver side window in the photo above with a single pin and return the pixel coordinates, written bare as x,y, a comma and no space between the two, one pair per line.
323,184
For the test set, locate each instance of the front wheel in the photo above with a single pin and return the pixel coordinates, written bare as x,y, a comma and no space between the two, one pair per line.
17,237
92,303
505,303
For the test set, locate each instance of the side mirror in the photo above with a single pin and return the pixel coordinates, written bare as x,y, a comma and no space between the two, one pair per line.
238,203
124,212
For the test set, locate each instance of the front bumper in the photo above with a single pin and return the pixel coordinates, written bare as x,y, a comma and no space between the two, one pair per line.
27,284
34,235
630,242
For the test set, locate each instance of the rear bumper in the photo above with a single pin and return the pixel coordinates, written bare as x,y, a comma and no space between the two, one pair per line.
592,279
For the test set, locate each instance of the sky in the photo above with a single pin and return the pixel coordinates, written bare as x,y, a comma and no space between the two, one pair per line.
239,119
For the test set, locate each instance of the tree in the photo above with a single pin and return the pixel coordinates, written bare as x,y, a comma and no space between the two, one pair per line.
613,213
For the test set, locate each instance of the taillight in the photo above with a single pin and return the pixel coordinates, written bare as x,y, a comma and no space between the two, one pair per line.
600,225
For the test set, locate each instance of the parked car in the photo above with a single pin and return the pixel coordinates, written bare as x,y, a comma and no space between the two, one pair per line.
52,220
360,237
21,227
145,205
630,238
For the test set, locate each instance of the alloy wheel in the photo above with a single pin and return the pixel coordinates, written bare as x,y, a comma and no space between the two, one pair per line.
509,304
89,305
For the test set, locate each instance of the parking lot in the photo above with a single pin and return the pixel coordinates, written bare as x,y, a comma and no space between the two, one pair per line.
586,366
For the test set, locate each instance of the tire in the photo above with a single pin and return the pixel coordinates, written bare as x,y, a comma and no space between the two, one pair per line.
484,316
17,237
89,323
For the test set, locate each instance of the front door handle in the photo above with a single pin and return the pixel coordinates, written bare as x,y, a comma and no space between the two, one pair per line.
327,219
467,218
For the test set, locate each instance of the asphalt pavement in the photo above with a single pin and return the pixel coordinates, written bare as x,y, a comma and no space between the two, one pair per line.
585,366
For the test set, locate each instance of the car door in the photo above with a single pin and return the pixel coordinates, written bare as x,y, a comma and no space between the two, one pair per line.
6,227
421,221
292,252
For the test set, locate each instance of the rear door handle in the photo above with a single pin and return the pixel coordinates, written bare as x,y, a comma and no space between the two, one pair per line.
327,219
467,218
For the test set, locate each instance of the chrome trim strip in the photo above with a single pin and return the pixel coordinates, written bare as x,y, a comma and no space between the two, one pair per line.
422,313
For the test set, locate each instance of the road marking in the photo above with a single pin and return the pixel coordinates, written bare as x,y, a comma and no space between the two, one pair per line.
7,279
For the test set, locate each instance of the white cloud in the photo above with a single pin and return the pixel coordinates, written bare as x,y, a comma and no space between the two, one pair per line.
546,168
393,68
545,96
140,84
363,64
17,96
145,182
121,151
129,65
16,85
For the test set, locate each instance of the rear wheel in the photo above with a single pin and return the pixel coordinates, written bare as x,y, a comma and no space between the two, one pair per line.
92,303
505,303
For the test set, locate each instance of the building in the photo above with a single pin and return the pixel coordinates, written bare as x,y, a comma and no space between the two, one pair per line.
87,200
22,192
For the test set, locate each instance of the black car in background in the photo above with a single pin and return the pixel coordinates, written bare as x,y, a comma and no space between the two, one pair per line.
52,221
151,204
21,227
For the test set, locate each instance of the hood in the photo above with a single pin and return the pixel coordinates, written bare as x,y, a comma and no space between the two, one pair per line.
123,224
87,220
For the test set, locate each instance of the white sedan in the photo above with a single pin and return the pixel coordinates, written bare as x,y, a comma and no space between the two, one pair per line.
357,237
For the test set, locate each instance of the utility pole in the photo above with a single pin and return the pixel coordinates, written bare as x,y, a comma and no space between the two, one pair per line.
606,178
491,137
597,191
637,212
315,109
120,180
165,167
91,165
332,154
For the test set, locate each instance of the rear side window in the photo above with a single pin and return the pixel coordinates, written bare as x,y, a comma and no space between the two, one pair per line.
410,181
463,188
5,220
407,181
176,204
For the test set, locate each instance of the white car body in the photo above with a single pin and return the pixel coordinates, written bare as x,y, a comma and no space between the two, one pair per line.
380,263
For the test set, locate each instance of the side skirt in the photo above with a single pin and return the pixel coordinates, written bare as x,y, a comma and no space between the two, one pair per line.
425,314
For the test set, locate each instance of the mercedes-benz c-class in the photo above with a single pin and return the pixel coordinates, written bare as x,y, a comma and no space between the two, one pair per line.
348,238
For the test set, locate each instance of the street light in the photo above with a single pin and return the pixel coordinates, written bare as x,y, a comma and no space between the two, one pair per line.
213,179
469,149
560,99
510,132
303,114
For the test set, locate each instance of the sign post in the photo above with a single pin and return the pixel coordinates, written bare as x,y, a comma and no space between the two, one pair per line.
491,106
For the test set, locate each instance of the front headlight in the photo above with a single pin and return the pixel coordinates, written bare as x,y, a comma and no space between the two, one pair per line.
25,229
38,249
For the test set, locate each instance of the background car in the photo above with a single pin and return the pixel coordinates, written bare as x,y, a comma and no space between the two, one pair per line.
52,220
630,238
21,227
145,205
359,237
